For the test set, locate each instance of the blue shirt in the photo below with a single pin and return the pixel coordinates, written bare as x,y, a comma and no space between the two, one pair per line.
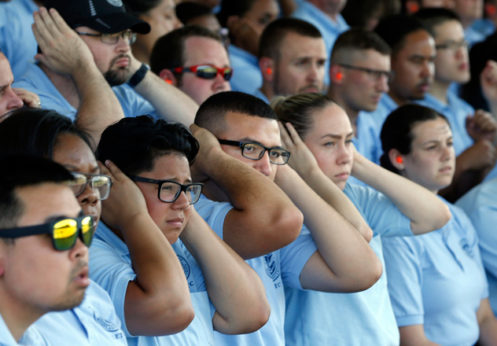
437,280
94,322
6,338
111,267
246,73
35,80
367,140
273,268
329,29
456,110
363,318
17,41
480,205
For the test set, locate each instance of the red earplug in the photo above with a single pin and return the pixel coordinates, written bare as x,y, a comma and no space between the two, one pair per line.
399,159
269,70
168,81
338,76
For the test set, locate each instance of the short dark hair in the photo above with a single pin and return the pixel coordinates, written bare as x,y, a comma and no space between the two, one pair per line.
20,171
168,51
233,8
358,39
187,10
275,32
298,109
36,132
396,132
211,113
133,144
394,29
139,7
434,16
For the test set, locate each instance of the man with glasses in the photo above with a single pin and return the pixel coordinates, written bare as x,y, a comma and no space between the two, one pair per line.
292,58
44,244
193,59
247,129
474,132
359,75
79,60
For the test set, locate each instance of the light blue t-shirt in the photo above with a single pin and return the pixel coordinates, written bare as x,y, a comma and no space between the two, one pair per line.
6,338
437,280
273,269
94,322
367,140
480,204
362,318
329,29
246,73
35,80
111,267
456,110
17,41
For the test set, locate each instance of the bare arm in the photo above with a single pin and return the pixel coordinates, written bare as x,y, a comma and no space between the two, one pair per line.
414,335
65,53
303,161
169,102
233,287
263,218
344,261
487,323
425,210
158,301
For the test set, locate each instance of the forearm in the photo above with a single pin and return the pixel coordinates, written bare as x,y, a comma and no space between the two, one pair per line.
425,210
99,107
352,263
233,287
169,102
264,219
335,197
160,292
487,323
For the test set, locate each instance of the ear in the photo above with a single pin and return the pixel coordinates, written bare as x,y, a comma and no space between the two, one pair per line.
396,159
336,74
168,76
412,6
267,68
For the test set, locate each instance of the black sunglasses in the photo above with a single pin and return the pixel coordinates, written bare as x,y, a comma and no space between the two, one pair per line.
64,231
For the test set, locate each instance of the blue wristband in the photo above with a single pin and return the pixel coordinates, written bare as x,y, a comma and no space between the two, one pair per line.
138,76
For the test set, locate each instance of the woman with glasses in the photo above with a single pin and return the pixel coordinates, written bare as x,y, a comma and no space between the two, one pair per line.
319,135
48,134
437,283
226,294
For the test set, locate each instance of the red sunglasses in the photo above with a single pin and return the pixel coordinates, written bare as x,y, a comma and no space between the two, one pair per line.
206,71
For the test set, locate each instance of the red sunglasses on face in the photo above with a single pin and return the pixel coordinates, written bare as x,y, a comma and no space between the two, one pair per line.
206,71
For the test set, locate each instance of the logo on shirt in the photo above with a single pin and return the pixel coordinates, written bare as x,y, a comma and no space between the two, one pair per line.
272,268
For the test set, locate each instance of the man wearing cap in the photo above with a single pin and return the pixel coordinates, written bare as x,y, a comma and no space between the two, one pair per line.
79,60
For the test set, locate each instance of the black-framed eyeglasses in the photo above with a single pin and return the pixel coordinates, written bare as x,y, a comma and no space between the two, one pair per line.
99,183
452,45
126,35
63,230
255,151
206,71
372,73
169,190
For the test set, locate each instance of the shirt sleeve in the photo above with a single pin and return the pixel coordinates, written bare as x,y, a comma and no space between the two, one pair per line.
403,267
113,273
294,256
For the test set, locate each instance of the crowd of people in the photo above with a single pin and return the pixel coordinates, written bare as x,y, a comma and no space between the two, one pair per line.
249,172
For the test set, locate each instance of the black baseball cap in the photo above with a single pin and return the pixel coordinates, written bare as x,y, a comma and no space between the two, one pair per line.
106,16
